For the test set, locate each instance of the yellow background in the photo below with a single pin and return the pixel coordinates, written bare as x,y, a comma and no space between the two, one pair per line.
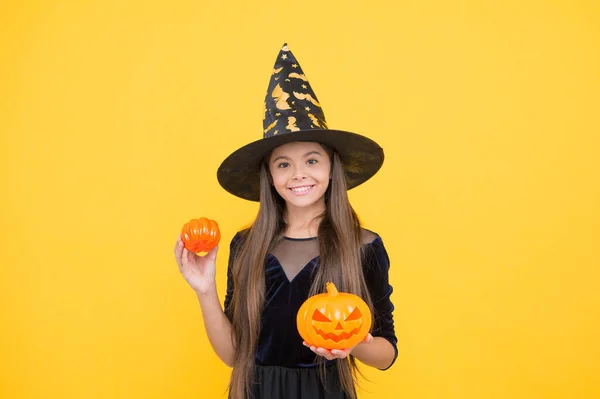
114,116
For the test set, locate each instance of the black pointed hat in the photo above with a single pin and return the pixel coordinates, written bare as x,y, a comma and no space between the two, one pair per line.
293,113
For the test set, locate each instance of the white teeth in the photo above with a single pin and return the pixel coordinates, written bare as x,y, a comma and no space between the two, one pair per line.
300,189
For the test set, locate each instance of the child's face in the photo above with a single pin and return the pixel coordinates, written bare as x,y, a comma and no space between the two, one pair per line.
300,172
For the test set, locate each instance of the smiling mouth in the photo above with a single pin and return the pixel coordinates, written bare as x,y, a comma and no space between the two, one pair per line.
337,337
301,190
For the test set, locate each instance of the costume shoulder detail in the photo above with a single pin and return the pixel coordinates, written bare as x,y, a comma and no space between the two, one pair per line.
367,236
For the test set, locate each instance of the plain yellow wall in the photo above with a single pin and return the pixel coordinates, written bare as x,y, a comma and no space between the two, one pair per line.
114,116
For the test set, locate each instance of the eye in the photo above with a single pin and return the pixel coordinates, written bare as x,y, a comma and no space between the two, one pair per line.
355,315
312,161
283,165
318,316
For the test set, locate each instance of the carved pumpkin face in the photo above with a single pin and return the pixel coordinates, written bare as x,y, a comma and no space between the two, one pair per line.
200,235
335,320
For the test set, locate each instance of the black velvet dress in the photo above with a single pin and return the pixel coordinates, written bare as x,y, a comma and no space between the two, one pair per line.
285,368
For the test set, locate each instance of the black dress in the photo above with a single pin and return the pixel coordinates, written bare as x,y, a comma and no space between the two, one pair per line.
284,367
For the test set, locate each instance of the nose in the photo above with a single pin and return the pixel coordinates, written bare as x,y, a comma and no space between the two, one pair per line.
339,326
299,174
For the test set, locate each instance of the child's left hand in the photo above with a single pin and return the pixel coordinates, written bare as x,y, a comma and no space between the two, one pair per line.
336,353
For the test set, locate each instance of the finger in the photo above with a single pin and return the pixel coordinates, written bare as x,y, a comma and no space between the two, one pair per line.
314,349
190,257
341,354
178,250
325,353
185,257
212,254
368,339
176,247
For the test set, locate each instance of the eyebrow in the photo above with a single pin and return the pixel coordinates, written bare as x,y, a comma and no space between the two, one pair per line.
304,156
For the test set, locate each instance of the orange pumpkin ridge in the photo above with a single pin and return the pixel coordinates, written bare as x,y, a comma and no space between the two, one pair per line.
200,235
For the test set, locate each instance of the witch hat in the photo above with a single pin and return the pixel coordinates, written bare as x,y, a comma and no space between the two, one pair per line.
293,113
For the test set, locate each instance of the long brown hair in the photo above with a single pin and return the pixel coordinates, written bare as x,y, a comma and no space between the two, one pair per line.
340,249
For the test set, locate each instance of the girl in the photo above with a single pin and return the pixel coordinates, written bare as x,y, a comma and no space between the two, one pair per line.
305,234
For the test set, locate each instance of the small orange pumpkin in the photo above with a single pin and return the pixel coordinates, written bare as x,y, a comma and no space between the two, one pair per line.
334,320
200,235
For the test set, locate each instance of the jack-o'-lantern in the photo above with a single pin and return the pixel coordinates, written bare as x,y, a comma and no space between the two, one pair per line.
334,320
200,235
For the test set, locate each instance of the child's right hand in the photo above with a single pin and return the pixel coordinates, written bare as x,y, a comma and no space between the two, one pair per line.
198,271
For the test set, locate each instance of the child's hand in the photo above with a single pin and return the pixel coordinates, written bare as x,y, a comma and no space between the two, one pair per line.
336,353
198,271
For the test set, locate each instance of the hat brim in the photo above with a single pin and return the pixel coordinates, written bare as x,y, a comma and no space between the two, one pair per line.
361,157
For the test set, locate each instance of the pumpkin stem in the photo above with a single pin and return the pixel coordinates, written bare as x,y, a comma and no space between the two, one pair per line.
331,289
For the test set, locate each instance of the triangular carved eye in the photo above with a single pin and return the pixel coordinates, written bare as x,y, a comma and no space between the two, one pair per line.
318,316
355,315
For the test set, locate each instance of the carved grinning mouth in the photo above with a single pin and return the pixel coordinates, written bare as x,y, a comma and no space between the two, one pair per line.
337,337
